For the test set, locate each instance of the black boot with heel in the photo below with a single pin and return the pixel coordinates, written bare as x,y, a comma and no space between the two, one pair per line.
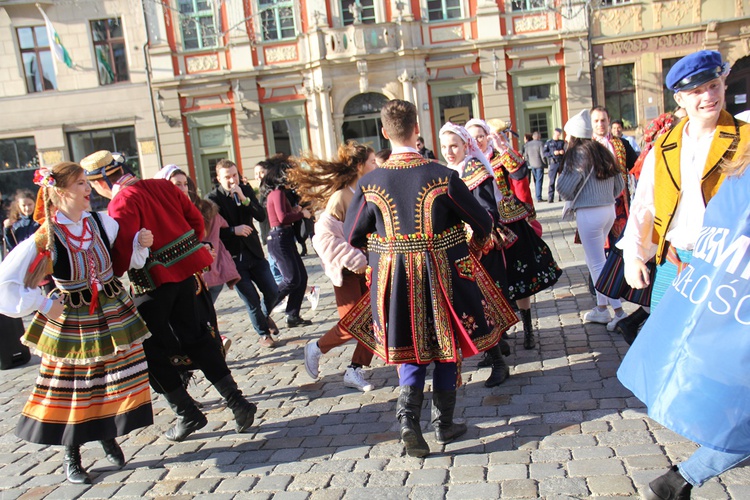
73,469
500,370
528,330
443,407
409,412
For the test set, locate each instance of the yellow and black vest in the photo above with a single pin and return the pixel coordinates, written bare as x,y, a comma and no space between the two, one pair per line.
731,138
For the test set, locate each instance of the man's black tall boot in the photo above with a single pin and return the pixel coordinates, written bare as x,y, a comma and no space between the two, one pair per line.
189,417
500,370
244,410
409,412
443,407
629,326
670,486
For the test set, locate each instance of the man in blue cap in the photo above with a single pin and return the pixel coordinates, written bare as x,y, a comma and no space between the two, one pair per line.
680,175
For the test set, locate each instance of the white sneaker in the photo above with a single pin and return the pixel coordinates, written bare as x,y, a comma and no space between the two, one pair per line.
281,306
313,296
312,358
226,342
353,378
612,324
597,315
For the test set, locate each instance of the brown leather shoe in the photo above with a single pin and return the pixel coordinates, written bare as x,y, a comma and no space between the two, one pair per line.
267,341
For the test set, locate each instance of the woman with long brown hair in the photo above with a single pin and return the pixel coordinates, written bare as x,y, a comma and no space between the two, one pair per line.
330,184
20,223
93,383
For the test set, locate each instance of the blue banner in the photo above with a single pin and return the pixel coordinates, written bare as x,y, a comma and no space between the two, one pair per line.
691,362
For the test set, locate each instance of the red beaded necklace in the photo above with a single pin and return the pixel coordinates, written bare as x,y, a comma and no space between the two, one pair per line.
86,236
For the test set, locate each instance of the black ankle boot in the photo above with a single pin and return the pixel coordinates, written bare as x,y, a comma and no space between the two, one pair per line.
73,468
528,330
443,407
500,370
409,412
189,417
113,452
244,410
670,486
629,326
486,360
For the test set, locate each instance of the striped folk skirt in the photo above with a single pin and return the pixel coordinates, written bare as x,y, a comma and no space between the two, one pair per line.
74,404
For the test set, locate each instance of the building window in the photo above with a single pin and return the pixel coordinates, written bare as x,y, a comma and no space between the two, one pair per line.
442,10
277,19
517,5
18,160
37,59
286,127
619,94
669,103
458,109
536,92
197,24
109,47
364,10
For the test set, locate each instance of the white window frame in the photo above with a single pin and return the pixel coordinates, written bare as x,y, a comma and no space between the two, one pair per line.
276,7
194,17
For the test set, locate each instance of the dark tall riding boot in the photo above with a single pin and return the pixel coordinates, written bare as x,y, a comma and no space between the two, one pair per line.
113,452
443,406
244,410
408,412
670,486
189,417
500,370
72,465
528,330
487,359
629,326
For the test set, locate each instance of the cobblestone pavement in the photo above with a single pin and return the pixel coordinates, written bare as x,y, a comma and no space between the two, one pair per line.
561,427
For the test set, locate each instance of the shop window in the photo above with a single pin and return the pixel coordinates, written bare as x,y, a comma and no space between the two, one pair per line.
109,47
516,5
669,103
364,10
197,24
443,10
277,19
619,94
457,109
18,160
37,59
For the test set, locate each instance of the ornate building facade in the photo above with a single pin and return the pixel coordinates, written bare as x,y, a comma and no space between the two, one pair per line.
192,81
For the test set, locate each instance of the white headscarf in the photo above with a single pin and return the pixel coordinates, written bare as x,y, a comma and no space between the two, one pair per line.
476,122
472,151
168,171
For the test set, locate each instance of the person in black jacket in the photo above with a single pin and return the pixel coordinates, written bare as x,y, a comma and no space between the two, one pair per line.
553,151
239,206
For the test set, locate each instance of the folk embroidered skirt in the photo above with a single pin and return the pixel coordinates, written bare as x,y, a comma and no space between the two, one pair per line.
529,263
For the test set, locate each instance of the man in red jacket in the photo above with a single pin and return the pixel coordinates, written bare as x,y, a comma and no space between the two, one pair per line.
165,287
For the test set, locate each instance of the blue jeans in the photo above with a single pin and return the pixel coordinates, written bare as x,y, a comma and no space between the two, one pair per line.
277,277
444,376
282,245
538,181
706,463
255,272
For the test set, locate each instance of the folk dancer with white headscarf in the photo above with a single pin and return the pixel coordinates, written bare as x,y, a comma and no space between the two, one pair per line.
530,265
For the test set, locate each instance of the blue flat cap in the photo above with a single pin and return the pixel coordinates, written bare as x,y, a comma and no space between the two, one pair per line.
696,69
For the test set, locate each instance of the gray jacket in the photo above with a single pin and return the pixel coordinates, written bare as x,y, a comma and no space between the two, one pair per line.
595,193
533,151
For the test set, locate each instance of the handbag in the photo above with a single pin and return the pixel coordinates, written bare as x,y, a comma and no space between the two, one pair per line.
568,212
612,283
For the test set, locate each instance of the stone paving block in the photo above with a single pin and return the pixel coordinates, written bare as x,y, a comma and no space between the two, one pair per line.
504,472
348,480
429,477
237,484
384,493
310,481
575,487
647,462
328,494
196,486
601,467
710,490
611,486
467,474
274,483
519,488
427,492
98,491
292,495
387,478
472,491
546,470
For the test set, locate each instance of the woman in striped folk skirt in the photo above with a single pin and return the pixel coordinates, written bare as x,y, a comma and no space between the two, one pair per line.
93,380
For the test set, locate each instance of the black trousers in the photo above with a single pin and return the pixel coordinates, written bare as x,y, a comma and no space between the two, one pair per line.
177,326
